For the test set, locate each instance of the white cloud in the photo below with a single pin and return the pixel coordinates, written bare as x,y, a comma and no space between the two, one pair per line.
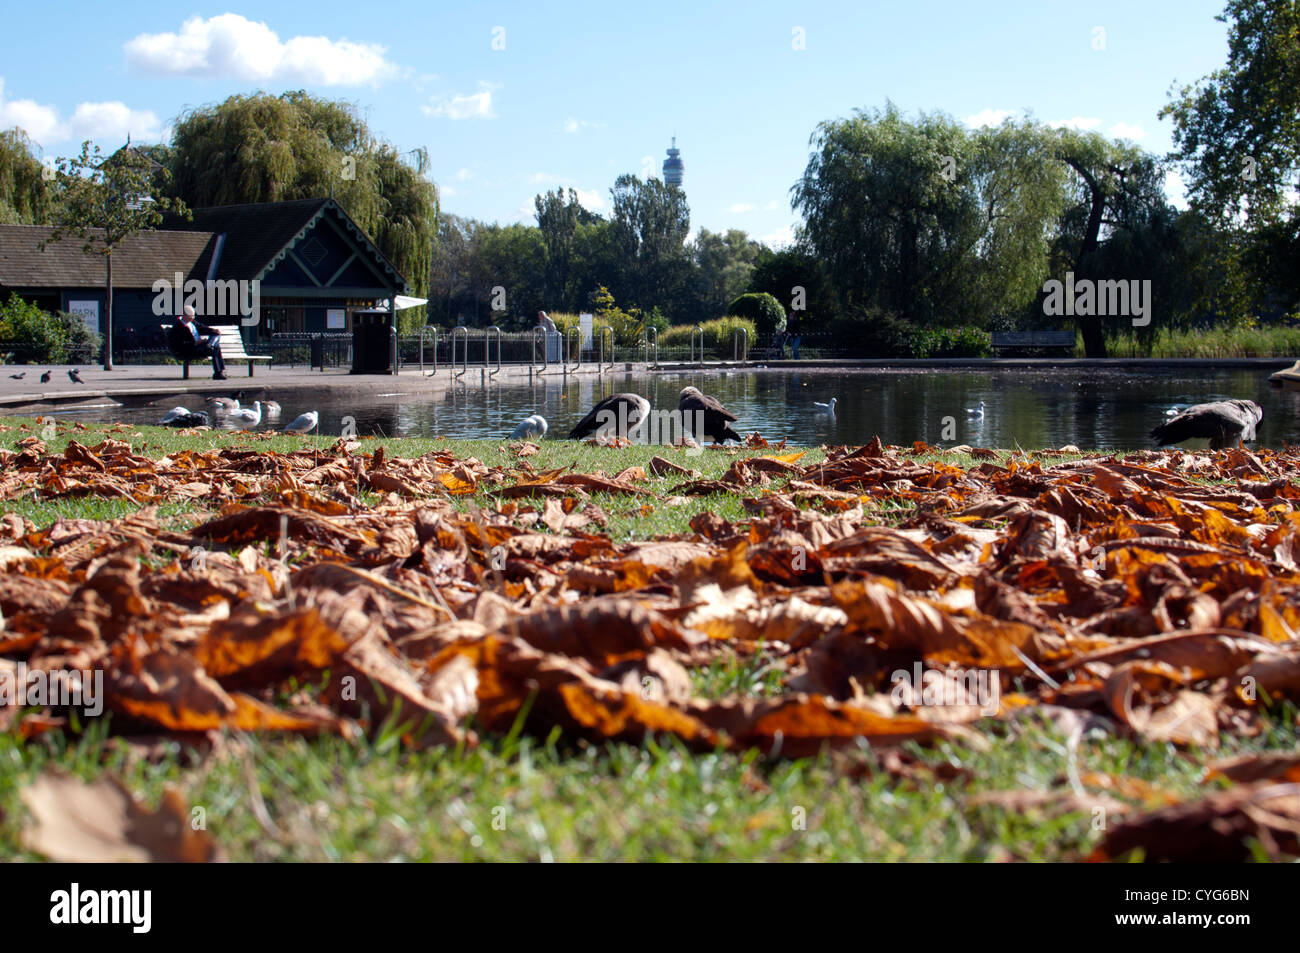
446,191
740,208
988,117
1124,130
543,178
39,122
772,206
463,105
232,46
593,200
106,120
781,237
1176,190
572,125
1081,123
464,175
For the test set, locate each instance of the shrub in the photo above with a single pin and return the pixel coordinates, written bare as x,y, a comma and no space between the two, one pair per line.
762,309
719,336
83,344
38,337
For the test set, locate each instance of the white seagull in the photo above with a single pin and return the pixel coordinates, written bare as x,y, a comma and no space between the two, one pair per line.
536,424
304,424
827,408
976,412
245,416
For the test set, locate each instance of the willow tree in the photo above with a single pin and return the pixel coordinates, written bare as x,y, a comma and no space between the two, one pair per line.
264,148
25,193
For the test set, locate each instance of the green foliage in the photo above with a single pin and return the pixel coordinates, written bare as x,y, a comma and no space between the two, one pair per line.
25,197
719,336
83,344
628,326
44,337
649,225
263,148
951,342
1239,341
795,278
763,310
724,264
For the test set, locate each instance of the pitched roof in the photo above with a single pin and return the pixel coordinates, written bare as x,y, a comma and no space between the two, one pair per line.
138,262
258,235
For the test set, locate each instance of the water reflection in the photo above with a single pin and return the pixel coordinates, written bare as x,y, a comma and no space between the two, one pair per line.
1090,408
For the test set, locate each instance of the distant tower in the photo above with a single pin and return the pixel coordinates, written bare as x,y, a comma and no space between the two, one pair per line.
674,166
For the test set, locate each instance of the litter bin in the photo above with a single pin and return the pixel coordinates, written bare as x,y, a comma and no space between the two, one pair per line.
373,343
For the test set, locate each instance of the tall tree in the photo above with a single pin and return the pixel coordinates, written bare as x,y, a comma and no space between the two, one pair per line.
724,263
25,195
650,223
558,217
262,148
103,201
1237,133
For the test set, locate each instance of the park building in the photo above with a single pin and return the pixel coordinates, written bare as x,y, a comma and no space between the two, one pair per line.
315,271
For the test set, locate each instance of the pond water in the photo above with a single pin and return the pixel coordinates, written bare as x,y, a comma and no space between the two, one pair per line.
1091,408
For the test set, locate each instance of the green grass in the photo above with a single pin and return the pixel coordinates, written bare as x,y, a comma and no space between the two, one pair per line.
329,799
1212,342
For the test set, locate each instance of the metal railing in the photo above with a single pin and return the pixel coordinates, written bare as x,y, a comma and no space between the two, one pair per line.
605,330
648,331
546,361
577,365
697,331
423,331
740,345
463,332
487,350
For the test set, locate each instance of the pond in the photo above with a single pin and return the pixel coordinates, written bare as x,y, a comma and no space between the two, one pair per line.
1089,407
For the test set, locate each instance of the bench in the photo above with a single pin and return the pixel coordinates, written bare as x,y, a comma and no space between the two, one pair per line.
1023,340
232,349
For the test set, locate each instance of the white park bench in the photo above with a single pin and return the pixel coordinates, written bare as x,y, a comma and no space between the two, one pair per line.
232,349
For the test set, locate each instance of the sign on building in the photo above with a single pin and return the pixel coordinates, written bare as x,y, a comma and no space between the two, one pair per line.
89,312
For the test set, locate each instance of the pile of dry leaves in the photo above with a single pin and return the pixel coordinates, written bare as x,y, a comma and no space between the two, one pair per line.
1156,594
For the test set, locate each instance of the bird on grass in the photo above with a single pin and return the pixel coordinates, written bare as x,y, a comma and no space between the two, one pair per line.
75,377
304,424
1223,422
536,424
45,378
695,406
184,417
18,377
827,408
620,415
246,416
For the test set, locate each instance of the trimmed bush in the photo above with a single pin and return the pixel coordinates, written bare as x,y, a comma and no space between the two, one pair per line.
762,309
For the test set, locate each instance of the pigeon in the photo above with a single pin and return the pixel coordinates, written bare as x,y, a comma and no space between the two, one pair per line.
245,416
694,405
304,424
45,378
75,377
18,377
184,417
619,414
536,424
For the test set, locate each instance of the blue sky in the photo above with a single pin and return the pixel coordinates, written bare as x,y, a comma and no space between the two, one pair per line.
582,92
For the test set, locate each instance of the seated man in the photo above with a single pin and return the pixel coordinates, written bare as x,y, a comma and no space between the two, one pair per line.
190,340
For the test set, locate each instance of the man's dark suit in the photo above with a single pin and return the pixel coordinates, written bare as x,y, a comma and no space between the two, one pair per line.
181,341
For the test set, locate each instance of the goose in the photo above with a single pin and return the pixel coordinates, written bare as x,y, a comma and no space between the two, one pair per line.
304,424
184,417
694,405
536,424
245,416
618,414
1224,422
